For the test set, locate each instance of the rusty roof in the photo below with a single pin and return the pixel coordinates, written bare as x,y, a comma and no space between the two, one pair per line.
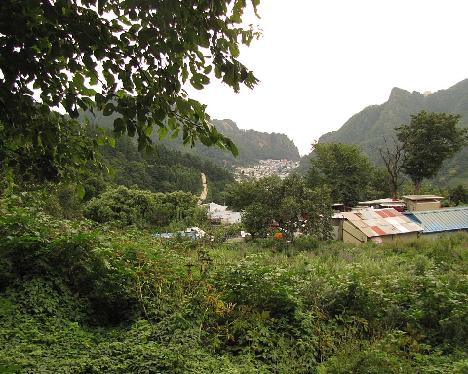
381,222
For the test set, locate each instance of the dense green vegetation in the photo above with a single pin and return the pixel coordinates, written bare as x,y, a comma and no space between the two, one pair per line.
163,169
125,207
369,127
427,141
290,203
76,297
346,171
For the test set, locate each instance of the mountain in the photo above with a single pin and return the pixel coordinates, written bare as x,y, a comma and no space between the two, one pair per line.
368,127
253,145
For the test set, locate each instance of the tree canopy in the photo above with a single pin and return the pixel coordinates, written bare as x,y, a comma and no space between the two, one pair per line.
427,141
289,202
129,59
343,168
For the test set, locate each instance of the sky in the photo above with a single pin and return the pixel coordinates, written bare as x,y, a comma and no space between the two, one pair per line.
320,62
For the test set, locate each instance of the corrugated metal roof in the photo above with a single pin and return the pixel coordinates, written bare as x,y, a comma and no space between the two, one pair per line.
447,219
381,222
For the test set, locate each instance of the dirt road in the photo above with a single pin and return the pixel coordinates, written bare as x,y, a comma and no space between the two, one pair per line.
204,193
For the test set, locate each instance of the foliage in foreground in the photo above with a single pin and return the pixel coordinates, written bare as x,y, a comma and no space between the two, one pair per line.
75,298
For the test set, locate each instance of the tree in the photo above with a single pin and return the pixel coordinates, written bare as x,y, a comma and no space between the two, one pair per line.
267,191
288,202
318,208
53,148
129,59
257,218
392,157
427,142
343,168
458,195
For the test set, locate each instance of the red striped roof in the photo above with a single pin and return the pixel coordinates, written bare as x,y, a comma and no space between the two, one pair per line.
381,222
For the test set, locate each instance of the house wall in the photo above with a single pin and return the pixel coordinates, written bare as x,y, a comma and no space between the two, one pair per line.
337,232
417,206
407,237
351,234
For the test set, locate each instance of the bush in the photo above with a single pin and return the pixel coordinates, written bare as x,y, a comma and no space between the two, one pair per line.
127,206
305,243
30,248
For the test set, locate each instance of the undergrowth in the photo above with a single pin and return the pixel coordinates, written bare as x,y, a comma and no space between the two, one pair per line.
80,298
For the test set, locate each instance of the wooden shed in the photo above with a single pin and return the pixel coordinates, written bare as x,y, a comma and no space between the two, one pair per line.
377,225
416,203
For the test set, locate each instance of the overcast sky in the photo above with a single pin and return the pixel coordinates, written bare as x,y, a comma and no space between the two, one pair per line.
320,62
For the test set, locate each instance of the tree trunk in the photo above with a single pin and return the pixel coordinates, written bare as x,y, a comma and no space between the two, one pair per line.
394,189
417,187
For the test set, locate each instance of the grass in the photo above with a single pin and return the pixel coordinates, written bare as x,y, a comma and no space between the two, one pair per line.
78,298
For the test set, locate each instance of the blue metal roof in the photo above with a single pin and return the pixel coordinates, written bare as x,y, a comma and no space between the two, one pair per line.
447,219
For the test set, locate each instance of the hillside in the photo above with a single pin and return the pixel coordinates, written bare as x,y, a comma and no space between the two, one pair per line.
164,170
253,145
368,127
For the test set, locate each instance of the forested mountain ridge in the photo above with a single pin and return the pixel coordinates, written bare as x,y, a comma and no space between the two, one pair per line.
369,127
252,145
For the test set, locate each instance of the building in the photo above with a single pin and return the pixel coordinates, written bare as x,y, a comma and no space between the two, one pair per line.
440,221
379,225
337,223
416,203
193,233
384,203
220,214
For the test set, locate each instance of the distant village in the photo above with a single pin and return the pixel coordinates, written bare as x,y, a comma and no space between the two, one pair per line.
266,168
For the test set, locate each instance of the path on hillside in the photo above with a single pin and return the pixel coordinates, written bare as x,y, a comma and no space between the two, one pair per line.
204,193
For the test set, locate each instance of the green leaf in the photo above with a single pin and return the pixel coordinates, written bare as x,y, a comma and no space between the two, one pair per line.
232,147
255,4
80,190
172,123
119,125
234,49
101,4
148,130
78,80
108,109
162,132
175,134
196,83
183,106
111,141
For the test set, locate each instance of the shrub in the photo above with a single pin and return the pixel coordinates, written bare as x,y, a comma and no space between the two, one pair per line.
127,206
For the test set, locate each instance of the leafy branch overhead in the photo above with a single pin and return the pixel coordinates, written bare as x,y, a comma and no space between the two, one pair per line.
127,58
